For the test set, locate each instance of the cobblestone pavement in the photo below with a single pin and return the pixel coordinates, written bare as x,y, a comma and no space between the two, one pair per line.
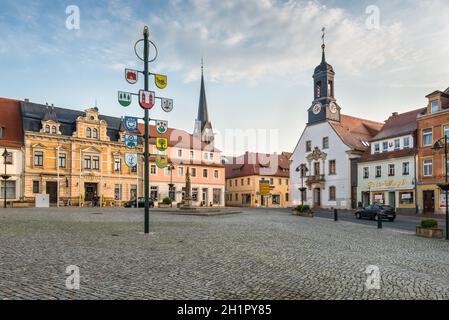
258,254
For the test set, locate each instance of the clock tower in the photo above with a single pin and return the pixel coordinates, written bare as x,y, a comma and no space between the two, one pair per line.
324,106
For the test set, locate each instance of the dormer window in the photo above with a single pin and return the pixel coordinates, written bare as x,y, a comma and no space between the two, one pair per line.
88,133
53,130
434,106
376,148
47,129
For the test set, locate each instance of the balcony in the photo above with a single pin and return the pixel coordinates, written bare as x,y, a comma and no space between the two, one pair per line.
315,179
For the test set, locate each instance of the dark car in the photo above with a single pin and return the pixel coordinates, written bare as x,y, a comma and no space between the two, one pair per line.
375,211
133,203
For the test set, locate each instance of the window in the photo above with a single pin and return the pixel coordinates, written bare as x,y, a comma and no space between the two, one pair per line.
332,194
332,167
230,183
385,146
133,169
216,195
378,171
216,174
88,133
326,143
427,137
248,181
47,129
1,132
53,130
154,193
287,181
391,170
446,131
434,106
211,156
330,88
406,142
428,168
280,182
172,193
38,158
180,153
205,173
118,192
36,188
95,135
397,144
308,146
153,169
206,156
195,193
318,89
193,172
242,182
87,162
192,154
10,189
9,159
236,183
133,192
406,198
117,164
96,163
366,173
287,197
271,181
316,167
405,168
376,148
180,172
276,199
62,160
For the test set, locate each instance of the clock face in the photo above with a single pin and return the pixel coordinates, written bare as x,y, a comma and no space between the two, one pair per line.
317,108
333,108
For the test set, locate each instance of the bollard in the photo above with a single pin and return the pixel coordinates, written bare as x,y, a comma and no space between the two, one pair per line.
335,215
379,222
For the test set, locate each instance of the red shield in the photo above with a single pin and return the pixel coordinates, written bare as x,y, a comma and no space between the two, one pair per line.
146,99
132,76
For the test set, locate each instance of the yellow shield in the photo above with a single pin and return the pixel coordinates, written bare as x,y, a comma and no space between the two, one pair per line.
162,144
161,161
160,81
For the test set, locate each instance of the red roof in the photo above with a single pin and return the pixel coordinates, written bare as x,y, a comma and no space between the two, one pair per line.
354,131
259,164
11,122
399,124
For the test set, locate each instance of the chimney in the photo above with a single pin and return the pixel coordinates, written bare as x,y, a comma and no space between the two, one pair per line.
395,114
27,100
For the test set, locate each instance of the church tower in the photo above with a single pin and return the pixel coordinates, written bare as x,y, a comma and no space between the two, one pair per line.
324,106
203,127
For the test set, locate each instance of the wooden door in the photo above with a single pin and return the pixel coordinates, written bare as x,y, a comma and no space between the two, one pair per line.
429,201
52,190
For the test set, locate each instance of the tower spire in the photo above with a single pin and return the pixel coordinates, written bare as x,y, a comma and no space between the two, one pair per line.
203,126
323,46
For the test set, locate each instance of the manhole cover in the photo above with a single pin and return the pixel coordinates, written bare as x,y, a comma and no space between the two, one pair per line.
115,235
97,213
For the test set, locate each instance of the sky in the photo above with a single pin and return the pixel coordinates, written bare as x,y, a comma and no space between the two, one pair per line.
259,57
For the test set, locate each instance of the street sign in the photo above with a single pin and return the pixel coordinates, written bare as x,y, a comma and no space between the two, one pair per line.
160,81
161,144
132,76
131,141
124,98
161,126
161,161
167,105
146,99
131,123
264,187
131,159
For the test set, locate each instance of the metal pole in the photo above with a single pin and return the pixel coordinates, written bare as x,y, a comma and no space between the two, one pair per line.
147,134
4,181
57,168
447,196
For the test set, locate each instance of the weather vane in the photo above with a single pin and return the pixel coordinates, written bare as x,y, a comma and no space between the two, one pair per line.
324,35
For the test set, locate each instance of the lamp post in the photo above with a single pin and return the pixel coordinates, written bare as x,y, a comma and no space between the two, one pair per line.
437,146
171,167
303,169
5,177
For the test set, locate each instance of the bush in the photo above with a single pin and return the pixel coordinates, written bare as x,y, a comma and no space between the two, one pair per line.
429,223
167,200
303,208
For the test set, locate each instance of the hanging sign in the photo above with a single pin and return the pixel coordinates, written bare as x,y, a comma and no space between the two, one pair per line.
160,81
131,141
124,98
146,99
167,105
131,123
161,126
161,161
132,76
131,159
161,144
264,187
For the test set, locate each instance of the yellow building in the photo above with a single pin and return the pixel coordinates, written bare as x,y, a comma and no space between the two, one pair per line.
81,154
244,173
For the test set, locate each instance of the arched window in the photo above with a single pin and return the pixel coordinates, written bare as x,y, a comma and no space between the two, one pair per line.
53,129
330,88
95,136
88,133
318,89
47,128
332,194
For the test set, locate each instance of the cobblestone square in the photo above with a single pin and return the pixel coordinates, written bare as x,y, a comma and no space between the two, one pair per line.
259,254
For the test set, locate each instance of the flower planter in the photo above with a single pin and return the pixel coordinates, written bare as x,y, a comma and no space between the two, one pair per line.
307,214
435,233
163,205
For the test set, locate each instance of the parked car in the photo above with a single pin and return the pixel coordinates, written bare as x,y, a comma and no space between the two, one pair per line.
133,203
375,211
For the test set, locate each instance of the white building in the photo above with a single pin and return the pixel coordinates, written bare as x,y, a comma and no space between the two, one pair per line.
329,148
387,171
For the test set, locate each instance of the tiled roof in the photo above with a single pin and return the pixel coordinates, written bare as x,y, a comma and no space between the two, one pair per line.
259,164
399,124
367,156
11,120
353,131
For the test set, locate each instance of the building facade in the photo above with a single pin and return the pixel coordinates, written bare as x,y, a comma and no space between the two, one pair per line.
244,173
11,141
433,125
328,149
387,172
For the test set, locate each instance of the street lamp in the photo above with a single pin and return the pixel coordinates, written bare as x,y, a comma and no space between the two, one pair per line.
437,146
303,169
171,167
5,177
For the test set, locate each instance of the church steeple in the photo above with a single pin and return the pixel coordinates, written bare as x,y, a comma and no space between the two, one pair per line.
324,106
203,127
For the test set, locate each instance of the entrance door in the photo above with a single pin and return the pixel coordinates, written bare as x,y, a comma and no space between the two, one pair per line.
317,197
91,191
429,201
392,199
205,197
52,190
